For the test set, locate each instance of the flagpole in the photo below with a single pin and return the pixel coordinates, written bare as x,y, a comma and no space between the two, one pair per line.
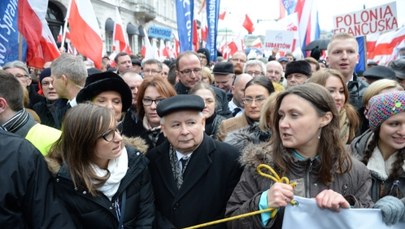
65,25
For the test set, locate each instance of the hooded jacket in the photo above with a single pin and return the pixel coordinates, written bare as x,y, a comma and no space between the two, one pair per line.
382,185
353,185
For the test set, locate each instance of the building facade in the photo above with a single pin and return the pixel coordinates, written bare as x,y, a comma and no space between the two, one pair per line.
153,18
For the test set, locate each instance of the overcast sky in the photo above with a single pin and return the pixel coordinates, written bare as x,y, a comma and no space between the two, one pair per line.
266,10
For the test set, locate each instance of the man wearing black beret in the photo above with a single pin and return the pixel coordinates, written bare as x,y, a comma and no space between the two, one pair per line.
224,76
297,72
192,175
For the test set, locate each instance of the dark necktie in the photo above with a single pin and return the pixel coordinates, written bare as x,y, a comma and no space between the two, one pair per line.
236,111
183,161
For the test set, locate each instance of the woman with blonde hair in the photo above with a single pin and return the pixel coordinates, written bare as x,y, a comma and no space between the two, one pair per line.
103,183
206,75
333,81
378,87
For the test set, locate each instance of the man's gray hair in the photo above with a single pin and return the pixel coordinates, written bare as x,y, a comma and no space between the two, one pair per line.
17,64
254,63
71,66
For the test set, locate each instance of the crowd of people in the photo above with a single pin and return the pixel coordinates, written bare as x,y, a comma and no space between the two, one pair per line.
176,143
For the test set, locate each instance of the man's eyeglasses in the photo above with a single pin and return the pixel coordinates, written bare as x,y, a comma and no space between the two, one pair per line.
148,102
21,75
189,71
202,56
249,101
255,73
109,135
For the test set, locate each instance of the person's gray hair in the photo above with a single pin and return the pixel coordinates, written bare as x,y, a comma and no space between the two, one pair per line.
71,66
17,64
254,63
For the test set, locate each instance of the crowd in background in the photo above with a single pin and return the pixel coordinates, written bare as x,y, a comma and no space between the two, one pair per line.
144,143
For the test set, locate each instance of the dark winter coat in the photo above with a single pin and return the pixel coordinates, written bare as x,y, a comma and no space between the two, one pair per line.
209,179
27,197
354,185
48,116
136,129
212,125
98,211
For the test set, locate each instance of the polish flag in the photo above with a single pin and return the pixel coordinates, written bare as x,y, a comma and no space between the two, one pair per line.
119,38
33,26
221,16
195,36
84,30
60,34
248,24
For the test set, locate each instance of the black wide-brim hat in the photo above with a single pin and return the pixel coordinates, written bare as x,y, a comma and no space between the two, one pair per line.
180,103
102,82
379,72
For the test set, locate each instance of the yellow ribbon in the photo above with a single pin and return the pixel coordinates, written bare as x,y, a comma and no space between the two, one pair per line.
272,175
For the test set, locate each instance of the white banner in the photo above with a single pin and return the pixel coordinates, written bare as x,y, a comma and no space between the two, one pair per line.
281,40
308,215
368,21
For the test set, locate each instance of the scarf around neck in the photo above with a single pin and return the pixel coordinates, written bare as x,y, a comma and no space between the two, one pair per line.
118,169
17,121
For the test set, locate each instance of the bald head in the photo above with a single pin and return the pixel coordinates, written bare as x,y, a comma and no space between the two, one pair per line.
274,71
238,88
133,80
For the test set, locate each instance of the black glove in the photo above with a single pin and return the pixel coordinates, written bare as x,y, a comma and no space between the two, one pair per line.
392,209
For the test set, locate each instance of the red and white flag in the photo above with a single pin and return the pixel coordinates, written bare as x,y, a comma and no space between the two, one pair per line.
84,30
121,43
248,24
221,16
33,26
386,44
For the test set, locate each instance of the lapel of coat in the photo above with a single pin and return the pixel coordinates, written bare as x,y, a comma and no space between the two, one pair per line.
200,162
164,168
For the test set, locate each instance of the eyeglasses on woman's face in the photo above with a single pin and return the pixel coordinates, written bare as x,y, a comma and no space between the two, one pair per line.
148,102
109,135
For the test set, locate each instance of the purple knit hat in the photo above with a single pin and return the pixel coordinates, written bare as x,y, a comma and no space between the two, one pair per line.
383,106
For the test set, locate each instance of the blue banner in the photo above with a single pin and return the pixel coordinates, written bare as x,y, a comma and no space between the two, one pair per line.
185,17
8,31
212,21
361,65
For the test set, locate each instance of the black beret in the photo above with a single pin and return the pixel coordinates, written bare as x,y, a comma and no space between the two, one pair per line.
136,61
206,53
398,66
299,66
223,68
46,72
379,72
102,82
180,103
